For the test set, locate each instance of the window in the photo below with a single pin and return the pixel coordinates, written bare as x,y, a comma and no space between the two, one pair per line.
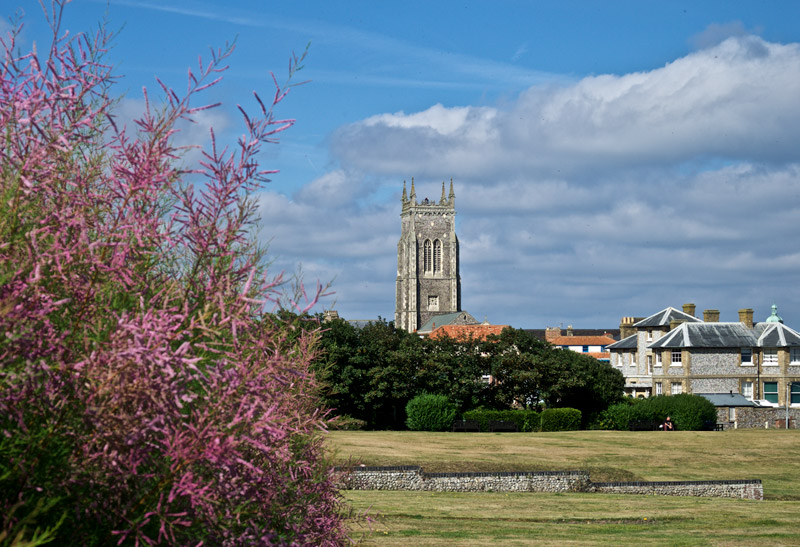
747,389
676,357
731,413
771,357
659,388
649,335
633,359
795,395
649,364
747,357
585,349
658,359
794,355
677,389
433,303
427,256
771,392
437,256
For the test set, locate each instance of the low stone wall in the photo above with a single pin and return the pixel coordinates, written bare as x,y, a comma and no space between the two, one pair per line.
759,418
414,478
745,489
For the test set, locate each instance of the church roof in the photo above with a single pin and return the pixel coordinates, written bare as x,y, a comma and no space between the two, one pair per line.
452,318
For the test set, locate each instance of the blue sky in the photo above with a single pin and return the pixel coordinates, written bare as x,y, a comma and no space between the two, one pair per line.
609,158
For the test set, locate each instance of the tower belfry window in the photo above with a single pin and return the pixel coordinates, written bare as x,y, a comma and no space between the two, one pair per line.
437,256
427,256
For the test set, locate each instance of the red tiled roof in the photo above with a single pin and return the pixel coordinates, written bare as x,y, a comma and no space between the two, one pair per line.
463,332
581,340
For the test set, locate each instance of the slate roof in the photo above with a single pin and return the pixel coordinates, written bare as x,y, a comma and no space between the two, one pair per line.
626,343
465,332
664,317
727,335
453,318
727,399
707,335
777,335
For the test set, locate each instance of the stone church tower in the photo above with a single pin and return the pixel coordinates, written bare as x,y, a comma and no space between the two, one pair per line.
428,280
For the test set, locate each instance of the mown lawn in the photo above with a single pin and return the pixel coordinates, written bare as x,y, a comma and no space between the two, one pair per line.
426,518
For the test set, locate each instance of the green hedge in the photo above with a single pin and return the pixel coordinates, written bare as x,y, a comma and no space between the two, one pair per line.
526,420
561,419
429,412
688,412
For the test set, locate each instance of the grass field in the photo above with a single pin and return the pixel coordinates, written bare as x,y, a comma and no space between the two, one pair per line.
426,518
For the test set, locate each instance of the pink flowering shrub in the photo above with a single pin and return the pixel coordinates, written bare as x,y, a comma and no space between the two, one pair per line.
145,395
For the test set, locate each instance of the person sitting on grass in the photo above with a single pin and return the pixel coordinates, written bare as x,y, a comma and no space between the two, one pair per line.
668,425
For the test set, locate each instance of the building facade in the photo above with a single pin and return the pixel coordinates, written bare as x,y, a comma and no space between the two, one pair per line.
428,278
673,352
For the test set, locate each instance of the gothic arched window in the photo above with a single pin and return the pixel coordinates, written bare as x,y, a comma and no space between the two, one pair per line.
437,256
427,255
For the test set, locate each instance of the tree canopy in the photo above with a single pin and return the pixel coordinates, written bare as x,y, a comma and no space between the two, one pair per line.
371,373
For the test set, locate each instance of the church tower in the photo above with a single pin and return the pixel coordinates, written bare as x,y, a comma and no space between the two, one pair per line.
428,279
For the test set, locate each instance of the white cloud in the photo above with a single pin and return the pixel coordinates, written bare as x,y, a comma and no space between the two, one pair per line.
736,100
616,195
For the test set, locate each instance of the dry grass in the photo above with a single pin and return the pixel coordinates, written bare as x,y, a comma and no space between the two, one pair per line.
425,518
770,455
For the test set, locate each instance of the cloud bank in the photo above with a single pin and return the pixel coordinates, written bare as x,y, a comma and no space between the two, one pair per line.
578,204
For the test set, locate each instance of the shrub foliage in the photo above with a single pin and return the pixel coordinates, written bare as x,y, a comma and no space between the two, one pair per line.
561,419
430,412
526,420
145,396
688,412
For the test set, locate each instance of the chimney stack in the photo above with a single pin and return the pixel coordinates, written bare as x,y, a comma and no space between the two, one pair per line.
689,309
551,333
626,327
569,330
675,323
746,317
711,316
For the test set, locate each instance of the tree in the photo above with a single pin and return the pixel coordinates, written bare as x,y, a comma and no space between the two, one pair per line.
521,374
532,373
145,396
